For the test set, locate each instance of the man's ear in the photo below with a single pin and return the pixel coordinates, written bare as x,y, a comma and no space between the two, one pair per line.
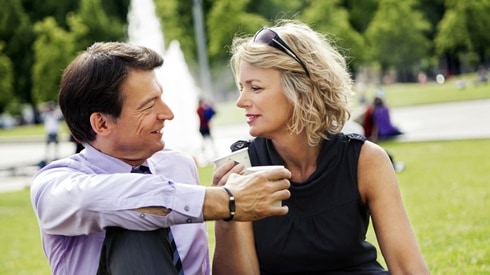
101,123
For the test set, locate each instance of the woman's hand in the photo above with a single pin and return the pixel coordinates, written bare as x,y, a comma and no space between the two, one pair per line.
221,173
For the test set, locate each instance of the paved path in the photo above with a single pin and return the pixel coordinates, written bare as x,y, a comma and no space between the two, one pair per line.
459,120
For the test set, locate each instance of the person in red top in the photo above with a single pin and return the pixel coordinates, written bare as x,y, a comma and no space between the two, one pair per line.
367,122
377,123
206,112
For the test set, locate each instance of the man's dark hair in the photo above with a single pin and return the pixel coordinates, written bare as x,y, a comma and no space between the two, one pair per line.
92,83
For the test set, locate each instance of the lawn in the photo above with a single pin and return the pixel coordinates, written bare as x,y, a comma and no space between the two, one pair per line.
444,187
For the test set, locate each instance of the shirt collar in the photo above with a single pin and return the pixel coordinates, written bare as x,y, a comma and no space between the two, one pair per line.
107,163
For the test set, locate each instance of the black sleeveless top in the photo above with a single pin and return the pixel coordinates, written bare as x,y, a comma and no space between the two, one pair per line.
325,229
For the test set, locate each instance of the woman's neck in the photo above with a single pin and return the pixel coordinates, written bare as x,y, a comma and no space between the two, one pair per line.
299,157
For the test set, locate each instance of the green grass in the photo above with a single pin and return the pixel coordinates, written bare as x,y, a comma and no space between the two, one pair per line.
20,240
445,190
400,95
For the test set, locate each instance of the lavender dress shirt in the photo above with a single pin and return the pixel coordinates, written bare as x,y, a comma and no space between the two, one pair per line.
77,197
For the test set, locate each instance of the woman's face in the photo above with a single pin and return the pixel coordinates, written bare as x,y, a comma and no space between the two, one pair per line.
267,108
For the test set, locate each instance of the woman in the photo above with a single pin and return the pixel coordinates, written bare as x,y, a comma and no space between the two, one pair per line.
294,88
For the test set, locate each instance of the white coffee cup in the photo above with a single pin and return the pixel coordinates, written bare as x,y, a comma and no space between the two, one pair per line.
240,156
254,169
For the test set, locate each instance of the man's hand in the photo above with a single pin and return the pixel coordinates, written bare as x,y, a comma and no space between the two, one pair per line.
254,194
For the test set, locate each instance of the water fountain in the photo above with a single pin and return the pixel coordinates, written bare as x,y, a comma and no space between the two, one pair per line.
179,89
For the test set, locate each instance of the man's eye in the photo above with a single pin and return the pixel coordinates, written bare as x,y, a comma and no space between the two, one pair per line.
149,106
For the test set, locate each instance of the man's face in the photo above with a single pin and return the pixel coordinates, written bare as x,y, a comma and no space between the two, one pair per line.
137,133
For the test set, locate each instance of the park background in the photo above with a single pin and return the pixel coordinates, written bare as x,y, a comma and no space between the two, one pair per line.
388,42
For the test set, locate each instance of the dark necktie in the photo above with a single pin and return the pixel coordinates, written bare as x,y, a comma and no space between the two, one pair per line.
176,258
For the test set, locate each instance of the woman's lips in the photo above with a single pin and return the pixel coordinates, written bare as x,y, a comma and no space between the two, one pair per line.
251,118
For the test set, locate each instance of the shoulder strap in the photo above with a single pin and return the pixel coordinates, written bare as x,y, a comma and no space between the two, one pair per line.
356,137
240,144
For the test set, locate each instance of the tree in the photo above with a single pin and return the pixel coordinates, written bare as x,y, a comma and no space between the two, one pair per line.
37,10
464,28
332,19
277,9
53,48
101,26
360,12
397,37
6,79
226,19
16,32
177,24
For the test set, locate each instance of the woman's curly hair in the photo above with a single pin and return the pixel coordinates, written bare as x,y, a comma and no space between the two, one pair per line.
320,101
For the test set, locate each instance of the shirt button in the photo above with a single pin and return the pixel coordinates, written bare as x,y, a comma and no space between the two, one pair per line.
189,220
142,215
187,208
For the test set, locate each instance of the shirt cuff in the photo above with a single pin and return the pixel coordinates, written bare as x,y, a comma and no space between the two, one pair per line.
187,204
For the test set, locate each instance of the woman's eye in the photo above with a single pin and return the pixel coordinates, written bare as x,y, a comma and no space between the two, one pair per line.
255,88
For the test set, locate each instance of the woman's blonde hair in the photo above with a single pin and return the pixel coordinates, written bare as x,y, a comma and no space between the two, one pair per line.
320,101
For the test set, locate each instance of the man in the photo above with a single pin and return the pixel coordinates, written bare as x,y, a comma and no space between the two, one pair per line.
52,117
111,101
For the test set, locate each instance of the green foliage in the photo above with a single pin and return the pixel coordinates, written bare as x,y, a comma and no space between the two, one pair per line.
16,32
6,79
55,22
238,22
330,18
361,13
452,33
276,9
405,36
101,26
54,49
177,23
464,27
397,35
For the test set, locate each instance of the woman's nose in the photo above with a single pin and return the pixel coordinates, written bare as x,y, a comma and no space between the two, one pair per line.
242,100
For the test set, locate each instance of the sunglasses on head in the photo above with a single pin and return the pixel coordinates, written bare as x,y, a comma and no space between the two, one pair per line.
271,38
